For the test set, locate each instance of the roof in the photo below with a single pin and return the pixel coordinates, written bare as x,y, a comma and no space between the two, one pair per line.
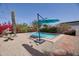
72,23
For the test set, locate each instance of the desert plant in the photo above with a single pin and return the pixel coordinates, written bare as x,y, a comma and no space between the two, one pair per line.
63,27
49,30
35,25
22,28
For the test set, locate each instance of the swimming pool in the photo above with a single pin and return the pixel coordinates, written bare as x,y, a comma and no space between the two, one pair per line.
43,35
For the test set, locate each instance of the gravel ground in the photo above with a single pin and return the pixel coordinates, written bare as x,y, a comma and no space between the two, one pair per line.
14,47
20,45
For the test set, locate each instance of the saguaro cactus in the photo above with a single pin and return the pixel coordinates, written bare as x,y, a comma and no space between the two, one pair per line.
13,22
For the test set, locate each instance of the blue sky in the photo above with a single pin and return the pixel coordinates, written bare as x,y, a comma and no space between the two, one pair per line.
26,13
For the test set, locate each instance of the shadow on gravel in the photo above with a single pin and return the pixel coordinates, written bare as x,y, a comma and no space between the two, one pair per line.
33,51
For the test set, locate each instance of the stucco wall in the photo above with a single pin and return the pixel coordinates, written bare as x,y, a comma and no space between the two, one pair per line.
75,26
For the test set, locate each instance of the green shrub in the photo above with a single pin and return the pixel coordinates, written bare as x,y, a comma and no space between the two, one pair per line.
49,30
21,28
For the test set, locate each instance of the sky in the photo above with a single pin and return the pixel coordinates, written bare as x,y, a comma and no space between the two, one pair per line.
26,13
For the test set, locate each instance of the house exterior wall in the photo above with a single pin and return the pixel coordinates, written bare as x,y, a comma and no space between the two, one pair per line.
74,25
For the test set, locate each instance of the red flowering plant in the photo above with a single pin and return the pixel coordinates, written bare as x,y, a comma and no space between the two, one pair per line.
5,26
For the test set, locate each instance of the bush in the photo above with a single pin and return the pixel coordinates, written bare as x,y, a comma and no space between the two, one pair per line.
5,26
49,30
21,28
31,29
63,27
70,32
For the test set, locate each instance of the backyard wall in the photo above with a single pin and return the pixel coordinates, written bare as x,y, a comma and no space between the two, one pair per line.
76,27
77,32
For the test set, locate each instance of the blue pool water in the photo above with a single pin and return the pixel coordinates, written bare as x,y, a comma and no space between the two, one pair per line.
43,35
